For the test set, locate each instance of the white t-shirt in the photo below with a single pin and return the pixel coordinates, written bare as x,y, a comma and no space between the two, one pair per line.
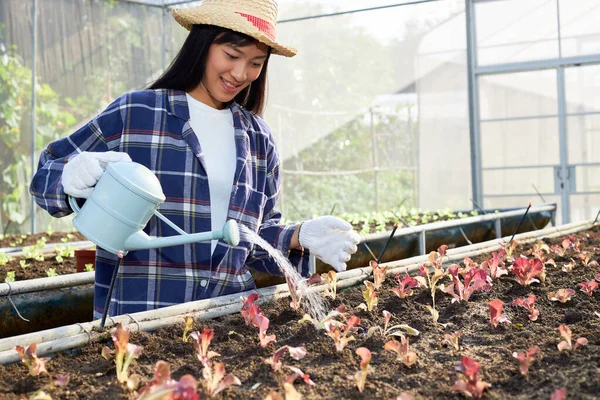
216,134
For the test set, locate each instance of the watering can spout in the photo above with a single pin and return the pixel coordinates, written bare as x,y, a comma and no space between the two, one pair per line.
140,240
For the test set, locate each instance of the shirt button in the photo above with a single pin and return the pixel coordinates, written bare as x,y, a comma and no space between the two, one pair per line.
203,282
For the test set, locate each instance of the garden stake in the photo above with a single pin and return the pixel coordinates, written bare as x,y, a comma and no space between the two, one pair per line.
538,192
596,217
332,209
110,290
400,219
520,222
387,243
477,206
370,251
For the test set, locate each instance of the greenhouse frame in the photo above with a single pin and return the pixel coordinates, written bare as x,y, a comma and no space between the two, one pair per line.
508,80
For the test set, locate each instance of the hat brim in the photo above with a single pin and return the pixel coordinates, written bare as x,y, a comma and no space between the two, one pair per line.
224,18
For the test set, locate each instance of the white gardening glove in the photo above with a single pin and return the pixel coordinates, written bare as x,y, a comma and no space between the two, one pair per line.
82,172
330,239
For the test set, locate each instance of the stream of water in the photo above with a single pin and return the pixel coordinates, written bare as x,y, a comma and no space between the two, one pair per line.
312,301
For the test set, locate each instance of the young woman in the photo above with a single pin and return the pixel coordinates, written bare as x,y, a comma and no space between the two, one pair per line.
197,128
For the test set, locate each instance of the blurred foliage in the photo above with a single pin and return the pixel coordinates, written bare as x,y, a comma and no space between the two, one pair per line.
52,120
349,148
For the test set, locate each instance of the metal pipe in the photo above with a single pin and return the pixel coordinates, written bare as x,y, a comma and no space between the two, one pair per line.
33,101
55,282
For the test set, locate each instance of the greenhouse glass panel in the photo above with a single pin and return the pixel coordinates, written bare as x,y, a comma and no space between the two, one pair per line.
516,30
518,181
584,206
521,94
584,138
579,27
582,89
524,142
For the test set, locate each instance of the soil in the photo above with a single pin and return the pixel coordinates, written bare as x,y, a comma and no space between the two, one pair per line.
38,269
432,377
28,240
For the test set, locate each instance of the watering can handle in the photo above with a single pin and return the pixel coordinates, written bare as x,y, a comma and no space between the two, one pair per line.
73,204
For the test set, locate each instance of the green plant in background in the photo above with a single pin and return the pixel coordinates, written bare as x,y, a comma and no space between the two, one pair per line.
4,259
64,251
23,264
89,267
51,272
10,277
35,252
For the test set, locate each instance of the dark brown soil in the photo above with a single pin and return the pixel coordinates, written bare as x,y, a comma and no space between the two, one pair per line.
28,240
38,269
431,378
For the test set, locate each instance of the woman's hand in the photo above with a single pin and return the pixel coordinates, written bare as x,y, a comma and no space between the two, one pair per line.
330,239
82,172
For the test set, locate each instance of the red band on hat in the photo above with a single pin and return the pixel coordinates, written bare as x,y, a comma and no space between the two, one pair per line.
264,26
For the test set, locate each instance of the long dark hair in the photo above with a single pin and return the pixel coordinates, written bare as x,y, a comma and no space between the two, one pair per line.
187,69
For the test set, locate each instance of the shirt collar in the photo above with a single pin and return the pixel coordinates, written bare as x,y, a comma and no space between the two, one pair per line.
178,105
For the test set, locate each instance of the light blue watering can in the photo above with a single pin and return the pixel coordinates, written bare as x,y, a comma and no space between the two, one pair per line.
121,204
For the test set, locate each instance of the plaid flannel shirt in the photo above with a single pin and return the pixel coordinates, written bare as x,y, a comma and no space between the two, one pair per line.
152,126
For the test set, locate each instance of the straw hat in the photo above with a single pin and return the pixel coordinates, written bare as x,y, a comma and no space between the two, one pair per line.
255,18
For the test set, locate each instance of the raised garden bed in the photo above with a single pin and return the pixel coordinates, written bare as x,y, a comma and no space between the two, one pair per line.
431,377
7,241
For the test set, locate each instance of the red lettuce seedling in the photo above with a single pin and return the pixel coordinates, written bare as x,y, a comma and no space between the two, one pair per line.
125,352
559,394
263,324
566,344
297,373
165,388
361,376
584,256
249,309
391,330
474,280
202,341
29,357
526,358
509,248
526,270
496,316
216,380
529,305
297,353
568,267
370,297
588,287
494,266
339,332
378,274
452,339
431,279
296,290
562,295
405,286
472,385
330,280
407,357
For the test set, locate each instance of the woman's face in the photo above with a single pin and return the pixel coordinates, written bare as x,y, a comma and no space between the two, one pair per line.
229,70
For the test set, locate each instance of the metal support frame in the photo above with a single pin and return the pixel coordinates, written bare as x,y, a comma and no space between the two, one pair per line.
33,101
474,125
565,182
